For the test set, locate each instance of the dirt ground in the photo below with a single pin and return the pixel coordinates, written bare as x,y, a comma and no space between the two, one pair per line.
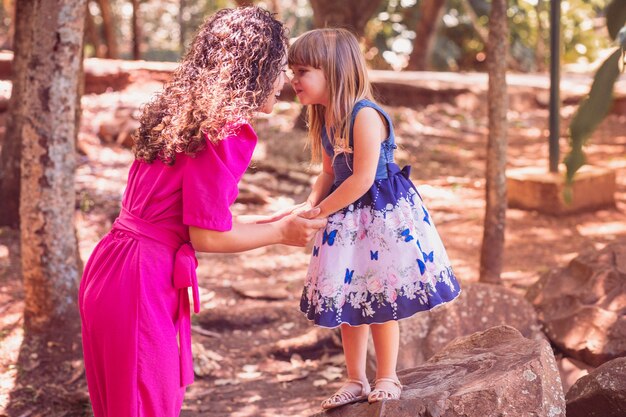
250,315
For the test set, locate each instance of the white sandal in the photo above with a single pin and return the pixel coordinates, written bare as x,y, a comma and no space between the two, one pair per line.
344,396
378,394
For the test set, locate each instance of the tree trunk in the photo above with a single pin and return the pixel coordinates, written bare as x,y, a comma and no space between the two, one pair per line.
182,26
50,262
540,48
108,27
12,144
430,13
9,9
491,256
484,35
349,14
91,34
136,29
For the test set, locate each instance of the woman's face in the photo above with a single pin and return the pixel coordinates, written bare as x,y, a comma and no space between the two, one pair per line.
278,87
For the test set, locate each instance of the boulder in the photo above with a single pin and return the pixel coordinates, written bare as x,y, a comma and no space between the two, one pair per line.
582,306
602,393
479,307
497,372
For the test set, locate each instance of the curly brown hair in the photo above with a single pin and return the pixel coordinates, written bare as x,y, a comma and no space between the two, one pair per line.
227,74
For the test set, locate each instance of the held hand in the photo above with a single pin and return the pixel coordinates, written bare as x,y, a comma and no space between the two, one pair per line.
284,212
301,208
311,213
297,230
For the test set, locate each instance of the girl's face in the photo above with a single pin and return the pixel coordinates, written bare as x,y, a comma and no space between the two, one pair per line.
278,87
310,85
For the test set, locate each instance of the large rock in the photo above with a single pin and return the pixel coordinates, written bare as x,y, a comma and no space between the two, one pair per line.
492,373
582,307
602,393
479,307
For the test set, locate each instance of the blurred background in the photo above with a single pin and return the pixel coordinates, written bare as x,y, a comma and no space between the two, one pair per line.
455,30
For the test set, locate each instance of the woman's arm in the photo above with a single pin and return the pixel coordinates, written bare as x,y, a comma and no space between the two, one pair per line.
252,218
369,131
289,230
319,190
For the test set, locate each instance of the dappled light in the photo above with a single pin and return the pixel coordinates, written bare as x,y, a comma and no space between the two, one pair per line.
554,304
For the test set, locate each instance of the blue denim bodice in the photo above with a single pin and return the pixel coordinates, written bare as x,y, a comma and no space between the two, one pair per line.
342,163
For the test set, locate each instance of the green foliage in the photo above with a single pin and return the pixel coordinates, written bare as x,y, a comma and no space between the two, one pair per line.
390,34
591,112
595,107
460,42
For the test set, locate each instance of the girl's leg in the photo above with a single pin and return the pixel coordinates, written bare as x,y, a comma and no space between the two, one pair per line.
386,342
355,350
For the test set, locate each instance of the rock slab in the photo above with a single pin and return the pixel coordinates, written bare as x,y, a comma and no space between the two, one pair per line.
478,308
582,307
602,393
497,372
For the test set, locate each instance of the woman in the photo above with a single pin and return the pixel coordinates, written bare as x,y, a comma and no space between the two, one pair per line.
193,146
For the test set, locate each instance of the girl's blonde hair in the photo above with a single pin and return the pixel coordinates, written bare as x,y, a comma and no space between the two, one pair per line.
337,53
227,74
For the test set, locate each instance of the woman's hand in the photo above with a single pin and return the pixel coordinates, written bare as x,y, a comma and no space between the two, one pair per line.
282,213
298,230
312,213
302,208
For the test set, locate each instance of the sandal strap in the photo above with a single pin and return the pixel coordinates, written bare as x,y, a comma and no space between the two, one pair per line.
356,381
392,380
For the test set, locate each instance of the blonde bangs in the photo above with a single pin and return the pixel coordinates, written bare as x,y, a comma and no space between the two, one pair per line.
307,50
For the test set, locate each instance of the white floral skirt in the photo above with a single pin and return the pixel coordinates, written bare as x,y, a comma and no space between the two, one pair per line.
378,259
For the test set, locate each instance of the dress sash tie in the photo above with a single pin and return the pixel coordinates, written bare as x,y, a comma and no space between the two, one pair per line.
184,276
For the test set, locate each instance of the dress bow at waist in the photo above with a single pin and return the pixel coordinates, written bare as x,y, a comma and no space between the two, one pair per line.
184,276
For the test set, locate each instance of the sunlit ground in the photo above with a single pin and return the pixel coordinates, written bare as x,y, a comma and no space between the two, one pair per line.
446,148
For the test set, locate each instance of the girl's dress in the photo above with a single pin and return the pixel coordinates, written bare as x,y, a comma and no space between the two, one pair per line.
380,258
133,296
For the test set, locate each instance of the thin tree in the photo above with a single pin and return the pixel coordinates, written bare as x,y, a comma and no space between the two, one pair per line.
492,251
92,37
540,46
136,29
9,10
12,144
430,13
108,28
182,25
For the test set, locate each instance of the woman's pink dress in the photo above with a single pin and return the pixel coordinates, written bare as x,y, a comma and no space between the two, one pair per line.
133,296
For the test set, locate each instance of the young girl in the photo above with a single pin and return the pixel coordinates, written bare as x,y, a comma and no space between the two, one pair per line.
192,148
379,259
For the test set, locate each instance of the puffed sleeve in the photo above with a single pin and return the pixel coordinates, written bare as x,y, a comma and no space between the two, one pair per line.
211,178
